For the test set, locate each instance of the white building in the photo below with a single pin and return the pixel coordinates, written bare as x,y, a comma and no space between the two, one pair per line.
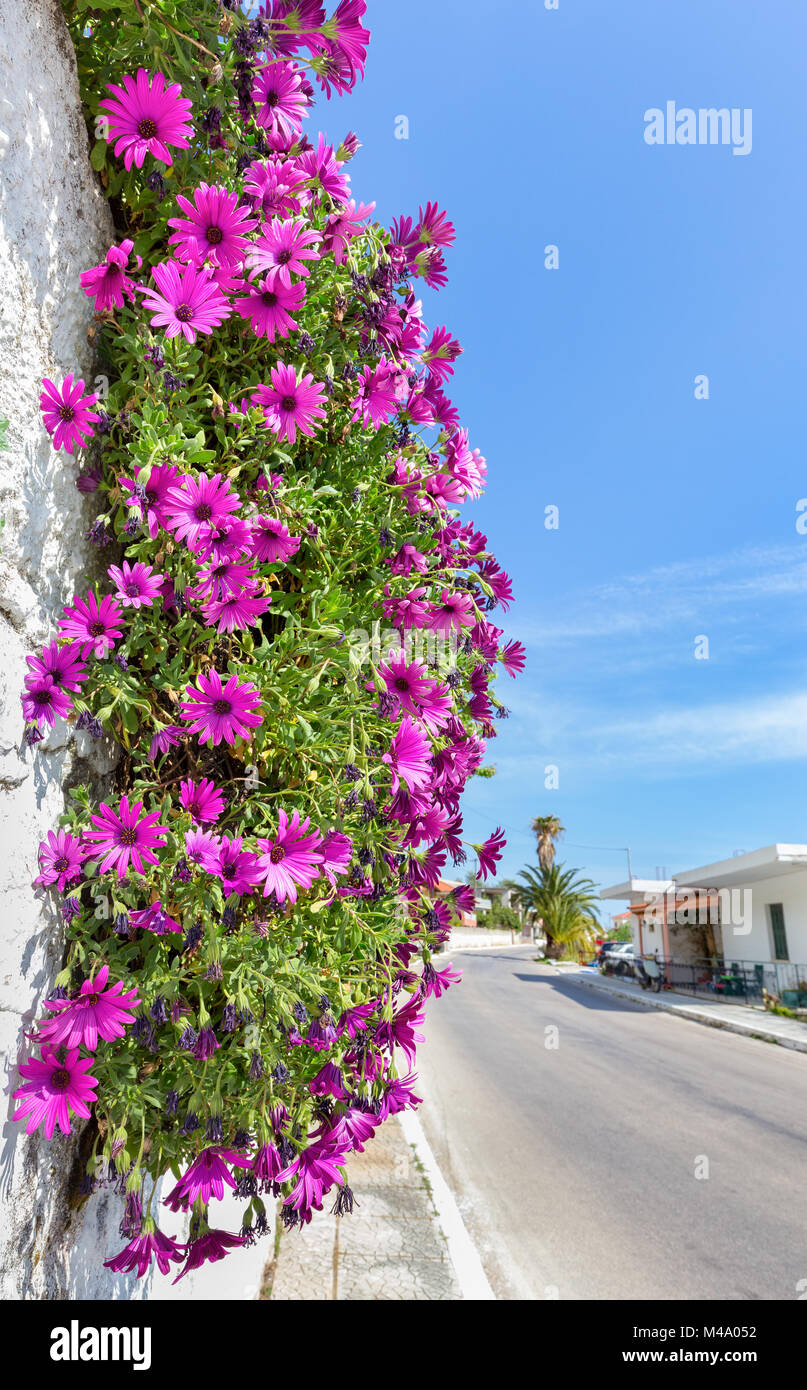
750,909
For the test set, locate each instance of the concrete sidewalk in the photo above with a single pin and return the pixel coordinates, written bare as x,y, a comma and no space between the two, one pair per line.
391,1248
750,1020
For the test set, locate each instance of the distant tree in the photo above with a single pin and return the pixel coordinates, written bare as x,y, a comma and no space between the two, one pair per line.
564,905
547,829
499,916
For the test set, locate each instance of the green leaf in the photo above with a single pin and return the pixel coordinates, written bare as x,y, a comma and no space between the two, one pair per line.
98,154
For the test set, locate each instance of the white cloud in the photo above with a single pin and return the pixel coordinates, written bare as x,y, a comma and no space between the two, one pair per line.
673,593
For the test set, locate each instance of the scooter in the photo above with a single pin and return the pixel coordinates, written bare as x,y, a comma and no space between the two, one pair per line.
648,973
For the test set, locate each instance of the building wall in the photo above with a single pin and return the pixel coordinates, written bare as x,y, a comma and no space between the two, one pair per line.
791,891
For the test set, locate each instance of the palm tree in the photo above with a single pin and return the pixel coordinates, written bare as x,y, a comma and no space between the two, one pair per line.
564,904
547,829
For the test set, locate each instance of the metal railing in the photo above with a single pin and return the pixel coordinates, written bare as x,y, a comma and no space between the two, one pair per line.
742,980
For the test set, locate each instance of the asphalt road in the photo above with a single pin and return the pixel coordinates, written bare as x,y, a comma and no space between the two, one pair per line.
575,1166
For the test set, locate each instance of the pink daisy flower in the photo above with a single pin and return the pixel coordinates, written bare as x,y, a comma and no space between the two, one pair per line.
499,582
453,610
322,165
350,35
197,506
229,540
94,623
215,227
491,852
154,918
150,1244
222,580
137,586
206,1177
440,354
376,399
343,226
60,859
333,69
409,758
271,540
44,701
201,848
236,611
335,850
317,1170
414,691
288,404
122,836
280,98
401,1031
291,858
62,663
150,497
267,307
145,115
296,23
273,188
55,1087
407,559
202,800
187,300
235,866
108,284
436,982
66,412
98,1012
514,658
409,611
212,1246
283,248
429,264
217,711
165,738
434,229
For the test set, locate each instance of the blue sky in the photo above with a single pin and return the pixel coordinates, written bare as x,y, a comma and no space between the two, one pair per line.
677,516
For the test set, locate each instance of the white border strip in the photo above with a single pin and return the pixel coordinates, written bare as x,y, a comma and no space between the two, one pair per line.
462,1252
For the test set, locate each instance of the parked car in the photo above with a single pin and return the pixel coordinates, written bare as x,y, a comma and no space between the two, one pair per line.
619,960
615,948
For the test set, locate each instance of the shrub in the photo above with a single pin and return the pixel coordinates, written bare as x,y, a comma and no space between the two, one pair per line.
250,917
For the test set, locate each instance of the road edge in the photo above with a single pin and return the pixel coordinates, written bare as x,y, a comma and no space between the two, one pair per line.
462,1252
729,1025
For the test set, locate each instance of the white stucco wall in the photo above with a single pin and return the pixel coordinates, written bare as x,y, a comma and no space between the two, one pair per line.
54,223
789,889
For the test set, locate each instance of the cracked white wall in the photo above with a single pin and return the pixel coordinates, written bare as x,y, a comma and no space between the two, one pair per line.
54,223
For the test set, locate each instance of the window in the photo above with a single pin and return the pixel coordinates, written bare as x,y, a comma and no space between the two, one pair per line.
777,916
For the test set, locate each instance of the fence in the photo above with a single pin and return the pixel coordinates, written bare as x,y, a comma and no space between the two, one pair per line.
743,980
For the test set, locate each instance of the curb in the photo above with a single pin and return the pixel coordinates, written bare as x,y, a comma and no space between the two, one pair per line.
491,946
747,1030
462,1252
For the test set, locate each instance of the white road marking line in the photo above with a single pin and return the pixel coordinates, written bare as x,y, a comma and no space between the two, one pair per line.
462,1252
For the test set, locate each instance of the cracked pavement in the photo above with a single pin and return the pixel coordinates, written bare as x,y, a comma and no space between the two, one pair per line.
391,1248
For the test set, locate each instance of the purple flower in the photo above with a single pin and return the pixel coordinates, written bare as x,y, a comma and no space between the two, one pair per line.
206,1177
150,1244
166,738
328,1082
213,1246
206,1045
317,1169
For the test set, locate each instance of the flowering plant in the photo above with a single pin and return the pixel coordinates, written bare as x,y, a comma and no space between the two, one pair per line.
251,916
